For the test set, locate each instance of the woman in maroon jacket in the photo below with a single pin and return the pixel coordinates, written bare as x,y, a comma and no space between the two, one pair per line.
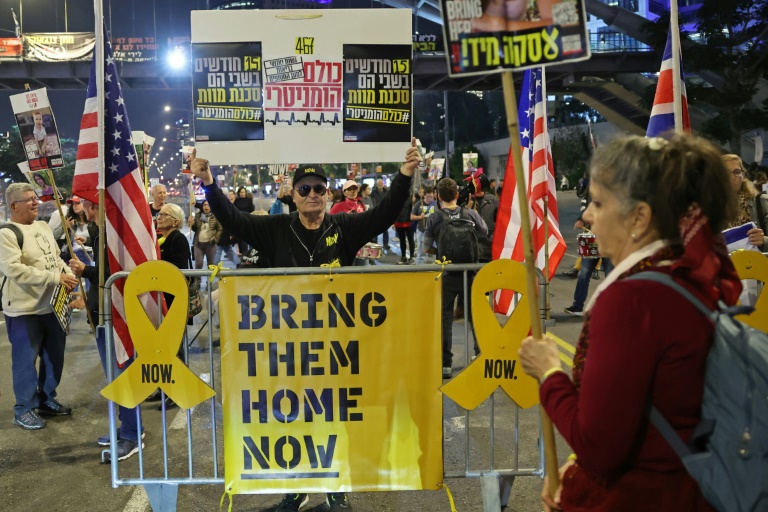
657,205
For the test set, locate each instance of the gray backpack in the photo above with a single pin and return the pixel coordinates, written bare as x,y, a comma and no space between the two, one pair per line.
730,455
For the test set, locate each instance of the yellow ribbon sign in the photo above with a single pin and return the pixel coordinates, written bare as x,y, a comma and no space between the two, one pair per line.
156,364
497,365
753,265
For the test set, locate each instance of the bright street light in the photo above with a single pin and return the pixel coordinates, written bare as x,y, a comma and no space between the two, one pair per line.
167,108
167,127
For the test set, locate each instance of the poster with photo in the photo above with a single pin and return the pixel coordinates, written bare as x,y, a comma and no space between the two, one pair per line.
37,128
377,89
484,36
40,181
227,92
469,163
436,169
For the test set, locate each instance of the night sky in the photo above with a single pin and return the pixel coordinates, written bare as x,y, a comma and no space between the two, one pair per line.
160,18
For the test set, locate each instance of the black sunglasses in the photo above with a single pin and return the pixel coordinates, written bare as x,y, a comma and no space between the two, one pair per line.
304,190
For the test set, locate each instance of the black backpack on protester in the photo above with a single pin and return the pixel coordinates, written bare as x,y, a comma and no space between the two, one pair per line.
20,240
457,240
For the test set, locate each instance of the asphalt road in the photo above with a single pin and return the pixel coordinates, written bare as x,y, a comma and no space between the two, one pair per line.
58,468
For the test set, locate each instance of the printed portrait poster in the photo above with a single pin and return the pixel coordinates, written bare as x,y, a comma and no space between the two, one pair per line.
37,128
41,181
469,163
227,91
483,36
436,169
377,90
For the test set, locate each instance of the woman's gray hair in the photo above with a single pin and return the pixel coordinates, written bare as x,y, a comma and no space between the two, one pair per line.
670,175
16,191
177,213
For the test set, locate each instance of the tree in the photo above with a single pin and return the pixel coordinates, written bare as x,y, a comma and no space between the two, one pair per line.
571,151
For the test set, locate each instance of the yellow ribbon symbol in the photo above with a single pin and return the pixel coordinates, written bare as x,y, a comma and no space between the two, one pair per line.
497,365
156,364
330,266
216,269
753,265
443,262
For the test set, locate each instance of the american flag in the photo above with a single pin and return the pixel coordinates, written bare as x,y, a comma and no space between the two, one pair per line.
129,230
540,186
663,111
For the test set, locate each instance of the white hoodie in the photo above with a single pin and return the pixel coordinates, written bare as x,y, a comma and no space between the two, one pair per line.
32,272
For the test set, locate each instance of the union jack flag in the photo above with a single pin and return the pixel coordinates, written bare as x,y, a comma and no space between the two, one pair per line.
663,111
129,230
540,189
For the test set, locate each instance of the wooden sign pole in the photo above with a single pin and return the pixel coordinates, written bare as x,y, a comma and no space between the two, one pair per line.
548,431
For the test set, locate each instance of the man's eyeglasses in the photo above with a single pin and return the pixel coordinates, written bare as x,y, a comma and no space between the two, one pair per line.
163,214
31,200
304,190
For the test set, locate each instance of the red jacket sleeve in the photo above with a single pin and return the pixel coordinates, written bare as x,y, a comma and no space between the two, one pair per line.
646,343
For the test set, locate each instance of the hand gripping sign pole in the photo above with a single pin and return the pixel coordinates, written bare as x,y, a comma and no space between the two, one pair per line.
69,244
530,266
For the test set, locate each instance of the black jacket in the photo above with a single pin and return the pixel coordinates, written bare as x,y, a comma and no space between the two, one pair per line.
92,273
284,241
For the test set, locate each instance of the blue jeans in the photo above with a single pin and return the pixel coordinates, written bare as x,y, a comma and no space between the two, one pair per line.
128,420
34,336
588,266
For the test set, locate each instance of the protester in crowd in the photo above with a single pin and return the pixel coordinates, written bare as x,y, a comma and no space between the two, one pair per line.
753,206
158,193
284,195
365,196
32,268
174,248
207,233
487,205
493,187
657,205
310,239
244,203
127,432
226,244
351,203
419,214
377,194
453,282
405,233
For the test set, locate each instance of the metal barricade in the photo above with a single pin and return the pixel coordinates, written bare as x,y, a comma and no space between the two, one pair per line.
496,482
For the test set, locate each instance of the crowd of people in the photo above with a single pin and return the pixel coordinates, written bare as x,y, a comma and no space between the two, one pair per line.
656,204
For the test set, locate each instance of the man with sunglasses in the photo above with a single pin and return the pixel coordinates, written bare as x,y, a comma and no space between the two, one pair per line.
310,238
31,269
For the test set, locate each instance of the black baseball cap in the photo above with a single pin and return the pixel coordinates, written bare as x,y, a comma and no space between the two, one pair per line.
309,170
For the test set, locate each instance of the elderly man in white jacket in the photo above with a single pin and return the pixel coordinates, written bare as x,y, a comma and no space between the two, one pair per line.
31,270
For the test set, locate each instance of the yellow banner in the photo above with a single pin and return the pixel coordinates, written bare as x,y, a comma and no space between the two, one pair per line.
330,383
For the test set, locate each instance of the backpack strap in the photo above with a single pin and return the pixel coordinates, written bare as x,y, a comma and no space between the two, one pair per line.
20,241
659,421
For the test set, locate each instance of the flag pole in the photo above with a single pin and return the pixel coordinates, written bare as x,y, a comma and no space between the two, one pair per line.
99,57
548,432
676,85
